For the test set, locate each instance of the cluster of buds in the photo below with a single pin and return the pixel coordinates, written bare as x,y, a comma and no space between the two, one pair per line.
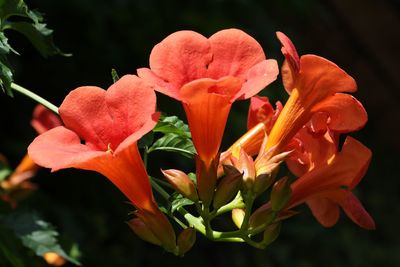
207,75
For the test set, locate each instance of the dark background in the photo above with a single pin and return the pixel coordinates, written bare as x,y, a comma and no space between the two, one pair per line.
360,36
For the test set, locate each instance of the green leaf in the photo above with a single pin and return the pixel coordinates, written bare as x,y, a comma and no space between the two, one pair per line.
36,234
146,140
30,24
174,143
6,76
40,37
172,124
177,201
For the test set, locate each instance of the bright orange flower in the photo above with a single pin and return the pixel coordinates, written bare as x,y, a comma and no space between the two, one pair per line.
208,75
327,178
109,123
315,85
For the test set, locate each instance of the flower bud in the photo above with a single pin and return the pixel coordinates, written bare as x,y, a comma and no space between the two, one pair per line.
262,216
186,240
268,164
238,216
228,187
245,165
263,182
161,228
281,193
142,231
182,183
271,233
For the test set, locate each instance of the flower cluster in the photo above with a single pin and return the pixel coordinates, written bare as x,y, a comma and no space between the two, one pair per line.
101,130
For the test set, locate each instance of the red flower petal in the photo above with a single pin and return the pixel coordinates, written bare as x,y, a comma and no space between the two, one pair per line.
181,57
356,212
185,56
258,77
105,118
291,66
346,169
324,210
61,148
344,112
43,119
234,54
320,78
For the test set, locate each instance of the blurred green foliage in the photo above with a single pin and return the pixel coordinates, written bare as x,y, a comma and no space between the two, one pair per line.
120,34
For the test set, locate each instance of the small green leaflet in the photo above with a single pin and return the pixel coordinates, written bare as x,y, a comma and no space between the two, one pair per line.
177,201
176,137
30,24
172,124
37,235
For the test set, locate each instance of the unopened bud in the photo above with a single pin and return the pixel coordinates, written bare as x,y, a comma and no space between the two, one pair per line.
271,233
186,240
245,165
142,231
228,187
238,217
263,182
262,216
268,164
182,183
281,193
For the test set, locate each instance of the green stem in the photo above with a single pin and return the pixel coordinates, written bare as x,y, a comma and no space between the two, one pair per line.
35,97
198,224
159,189
237,203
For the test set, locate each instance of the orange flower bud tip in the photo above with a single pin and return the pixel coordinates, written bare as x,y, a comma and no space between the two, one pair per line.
182,183
186,240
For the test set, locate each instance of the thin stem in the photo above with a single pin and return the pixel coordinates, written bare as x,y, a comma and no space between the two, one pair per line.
237,203
35,97
159,189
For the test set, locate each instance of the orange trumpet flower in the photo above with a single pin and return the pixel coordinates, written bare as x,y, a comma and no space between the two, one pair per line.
208,75
328,176
100,134
315,85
